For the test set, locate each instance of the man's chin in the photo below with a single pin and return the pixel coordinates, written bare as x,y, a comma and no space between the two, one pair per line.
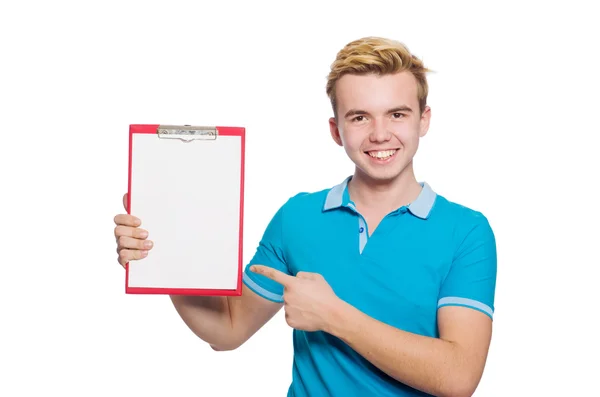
379,176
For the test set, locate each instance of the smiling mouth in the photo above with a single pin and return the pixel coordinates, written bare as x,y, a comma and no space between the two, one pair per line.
382,154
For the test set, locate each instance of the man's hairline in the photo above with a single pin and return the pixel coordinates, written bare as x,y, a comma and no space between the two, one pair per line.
334,91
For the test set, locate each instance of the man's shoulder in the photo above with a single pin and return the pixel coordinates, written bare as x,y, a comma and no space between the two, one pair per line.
460,214
306,200
468,226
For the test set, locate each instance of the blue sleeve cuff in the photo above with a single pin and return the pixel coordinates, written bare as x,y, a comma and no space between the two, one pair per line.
464,302
254,286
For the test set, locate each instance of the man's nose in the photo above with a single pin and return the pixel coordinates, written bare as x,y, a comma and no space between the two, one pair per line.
380,132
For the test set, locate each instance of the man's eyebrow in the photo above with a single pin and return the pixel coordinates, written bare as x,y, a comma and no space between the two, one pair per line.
398,109
355,112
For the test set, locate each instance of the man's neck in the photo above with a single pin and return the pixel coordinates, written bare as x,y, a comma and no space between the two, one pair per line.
376,196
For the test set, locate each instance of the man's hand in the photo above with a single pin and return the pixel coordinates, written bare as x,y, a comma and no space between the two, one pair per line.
309,301
132,243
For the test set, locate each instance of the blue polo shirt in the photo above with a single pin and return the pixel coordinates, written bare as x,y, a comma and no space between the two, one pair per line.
422,256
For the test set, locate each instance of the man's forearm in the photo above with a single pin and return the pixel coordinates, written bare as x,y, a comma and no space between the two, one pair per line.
429,364
208,317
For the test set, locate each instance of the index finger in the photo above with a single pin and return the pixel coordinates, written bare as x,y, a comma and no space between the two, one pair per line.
127,220
273,274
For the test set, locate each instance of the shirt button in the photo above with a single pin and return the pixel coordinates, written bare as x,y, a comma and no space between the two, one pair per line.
362,229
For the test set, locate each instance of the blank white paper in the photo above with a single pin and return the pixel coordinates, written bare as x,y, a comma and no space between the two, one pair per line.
187,195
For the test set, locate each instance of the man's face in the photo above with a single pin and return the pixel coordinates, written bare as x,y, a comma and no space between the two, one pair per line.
378,122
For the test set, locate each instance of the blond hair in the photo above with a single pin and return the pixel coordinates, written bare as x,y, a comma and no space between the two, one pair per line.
380,56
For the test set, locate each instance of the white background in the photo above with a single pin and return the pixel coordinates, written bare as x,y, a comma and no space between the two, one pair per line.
514,101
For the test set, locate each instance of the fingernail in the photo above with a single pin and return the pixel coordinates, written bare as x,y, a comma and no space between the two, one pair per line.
144,254
143,234
138,222
148,244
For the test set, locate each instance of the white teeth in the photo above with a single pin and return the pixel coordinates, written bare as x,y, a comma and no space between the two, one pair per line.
382,154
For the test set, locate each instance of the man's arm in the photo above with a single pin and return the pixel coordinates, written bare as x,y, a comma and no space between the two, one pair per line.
225,322
450,366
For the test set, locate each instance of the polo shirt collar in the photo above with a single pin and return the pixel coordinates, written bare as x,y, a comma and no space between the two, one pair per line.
338,197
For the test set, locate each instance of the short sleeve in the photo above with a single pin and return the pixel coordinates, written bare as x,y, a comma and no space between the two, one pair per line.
471,281
270,252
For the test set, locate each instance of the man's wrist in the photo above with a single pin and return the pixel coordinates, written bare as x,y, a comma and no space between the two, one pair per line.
337,318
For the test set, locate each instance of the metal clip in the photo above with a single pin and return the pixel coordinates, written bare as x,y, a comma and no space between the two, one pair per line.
187,133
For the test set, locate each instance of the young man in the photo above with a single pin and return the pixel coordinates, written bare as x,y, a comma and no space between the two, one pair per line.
388,285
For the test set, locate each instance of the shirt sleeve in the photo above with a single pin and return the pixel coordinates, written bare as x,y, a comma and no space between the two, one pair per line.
270,252
471,281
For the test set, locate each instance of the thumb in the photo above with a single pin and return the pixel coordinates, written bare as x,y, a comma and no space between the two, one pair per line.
125,201
307,275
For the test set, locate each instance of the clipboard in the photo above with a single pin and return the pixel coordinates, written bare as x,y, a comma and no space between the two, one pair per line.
186,184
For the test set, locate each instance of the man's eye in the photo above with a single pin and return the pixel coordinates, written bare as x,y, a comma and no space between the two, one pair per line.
398,115
359,118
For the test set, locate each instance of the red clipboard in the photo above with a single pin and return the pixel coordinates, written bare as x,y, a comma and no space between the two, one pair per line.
186,184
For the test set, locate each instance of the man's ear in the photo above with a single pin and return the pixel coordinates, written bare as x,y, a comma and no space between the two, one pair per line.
335,131
424,122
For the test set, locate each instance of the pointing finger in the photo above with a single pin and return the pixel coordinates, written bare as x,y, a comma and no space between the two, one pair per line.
273,274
